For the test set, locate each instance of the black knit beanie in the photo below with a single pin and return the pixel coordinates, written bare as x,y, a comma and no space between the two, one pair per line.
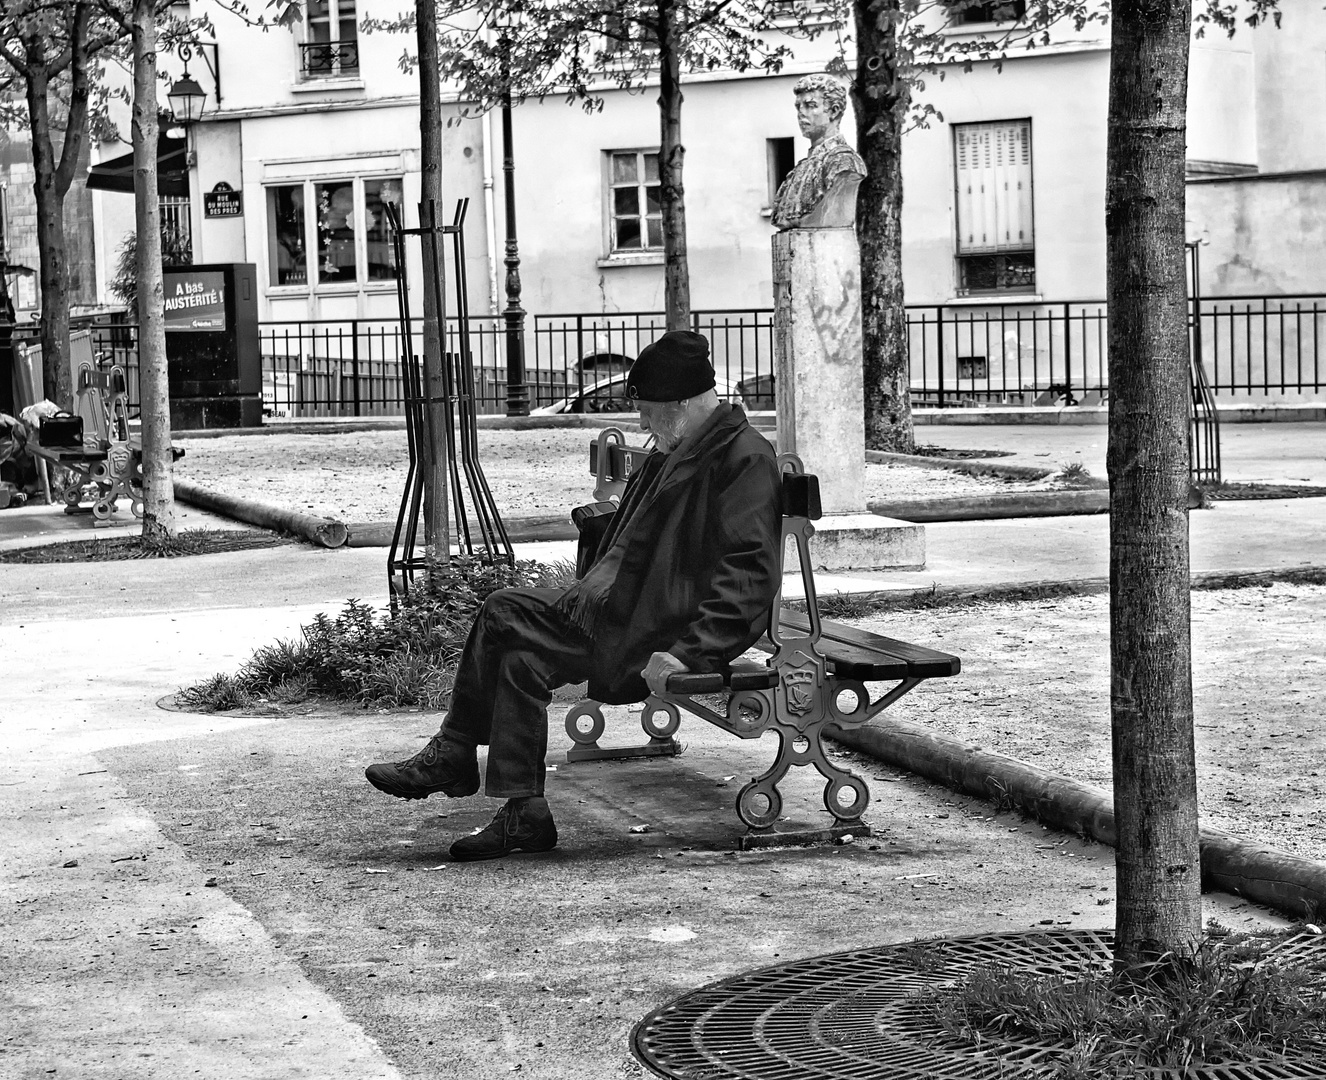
673,368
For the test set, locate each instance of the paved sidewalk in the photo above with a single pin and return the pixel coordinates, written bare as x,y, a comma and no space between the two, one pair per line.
242,905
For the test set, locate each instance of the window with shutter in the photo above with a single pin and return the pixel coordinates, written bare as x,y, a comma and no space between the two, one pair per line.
996,239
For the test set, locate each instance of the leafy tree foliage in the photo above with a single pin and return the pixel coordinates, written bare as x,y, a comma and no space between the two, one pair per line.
51,53
520,49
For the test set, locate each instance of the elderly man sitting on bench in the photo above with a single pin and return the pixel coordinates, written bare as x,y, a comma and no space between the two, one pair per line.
682,579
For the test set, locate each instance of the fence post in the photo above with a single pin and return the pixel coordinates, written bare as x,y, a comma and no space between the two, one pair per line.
939,349
580,352
354,360
1068,356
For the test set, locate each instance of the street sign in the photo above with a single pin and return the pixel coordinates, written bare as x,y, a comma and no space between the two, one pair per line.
223,201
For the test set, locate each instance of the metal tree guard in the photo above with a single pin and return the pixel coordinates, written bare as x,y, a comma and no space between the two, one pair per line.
404,559
1204,430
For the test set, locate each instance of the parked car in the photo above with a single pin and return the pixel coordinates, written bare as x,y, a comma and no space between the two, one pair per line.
609,396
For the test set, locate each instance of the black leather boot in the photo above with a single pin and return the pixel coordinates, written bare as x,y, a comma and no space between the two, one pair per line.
443,765
521,825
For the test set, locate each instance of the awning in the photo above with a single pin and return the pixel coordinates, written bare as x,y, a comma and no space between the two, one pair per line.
117,174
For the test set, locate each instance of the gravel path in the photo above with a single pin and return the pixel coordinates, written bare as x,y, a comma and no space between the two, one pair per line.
1035,685
359,476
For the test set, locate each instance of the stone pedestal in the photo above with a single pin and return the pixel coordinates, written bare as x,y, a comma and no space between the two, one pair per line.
817,360
820,400
867,542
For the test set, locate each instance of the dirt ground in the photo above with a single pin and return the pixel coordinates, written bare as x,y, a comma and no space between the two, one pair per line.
1035,685
359,476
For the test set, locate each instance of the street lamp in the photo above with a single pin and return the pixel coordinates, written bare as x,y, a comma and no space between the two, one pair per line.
517,392
187,100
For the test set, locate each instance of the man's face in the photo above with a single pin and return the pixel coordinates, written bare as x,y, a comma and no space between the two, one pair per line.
814,116
666,421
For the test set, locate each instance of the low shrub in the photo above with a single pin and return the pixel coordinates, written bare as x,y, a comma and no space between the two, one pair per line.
402,657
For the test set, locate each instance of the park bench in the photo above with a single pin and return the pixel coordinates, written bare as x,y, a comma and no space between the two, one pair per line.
816,675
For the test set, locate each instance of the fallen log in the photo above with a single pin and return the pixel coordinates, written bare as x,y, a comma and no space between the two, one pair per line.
318,530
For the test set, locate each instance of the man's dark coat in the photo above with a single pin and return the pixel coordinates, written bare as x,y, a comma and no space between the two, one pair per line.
703,561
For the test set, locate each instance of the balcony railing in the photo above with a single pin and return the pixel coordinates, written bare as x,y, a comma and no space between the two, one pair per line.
326,59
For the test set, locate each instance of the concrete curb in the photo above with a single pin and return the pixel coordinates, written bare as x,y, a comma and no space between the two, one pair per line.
986,507
1265,875
322,531
960,465
950,595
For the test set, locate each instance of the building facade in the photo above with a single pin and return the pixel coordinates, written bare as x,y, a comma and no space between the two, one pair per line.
315,134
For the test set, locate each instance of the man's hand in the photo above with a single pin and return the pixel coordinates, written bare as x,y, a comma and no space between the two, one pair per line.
660,666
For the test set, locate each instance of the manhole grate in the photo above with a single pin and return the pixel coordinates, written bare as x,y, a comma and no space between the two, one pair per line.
861,1016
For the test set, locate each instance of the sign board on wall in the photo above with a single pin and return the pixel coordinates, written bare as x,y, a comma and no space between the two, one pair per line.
195,299
223,201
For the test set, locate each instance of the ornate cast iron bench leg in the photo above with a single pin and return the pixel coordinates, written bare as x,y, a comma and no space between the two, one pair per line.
585,724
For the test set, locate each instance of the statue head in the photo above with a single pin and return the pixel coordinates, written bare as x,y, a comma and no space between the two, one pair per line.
821,102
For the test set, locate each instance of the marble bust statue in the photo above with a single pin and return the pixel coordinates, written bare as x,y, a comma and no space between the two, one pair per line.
820,192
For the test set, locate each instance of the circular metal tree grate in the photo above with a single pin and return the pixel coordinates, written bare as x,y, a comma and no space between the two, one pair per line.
859,1015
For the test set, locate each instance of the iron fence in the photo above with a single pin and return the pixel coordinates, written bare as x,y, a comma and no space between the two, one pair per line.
1006,353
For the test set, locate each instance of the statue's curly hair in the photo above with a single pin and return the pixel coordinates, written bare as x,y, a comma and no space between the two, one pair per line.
835,94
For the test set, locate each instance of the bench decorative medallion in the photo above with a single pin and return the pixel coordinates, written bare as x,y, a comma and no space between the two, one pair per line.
815,676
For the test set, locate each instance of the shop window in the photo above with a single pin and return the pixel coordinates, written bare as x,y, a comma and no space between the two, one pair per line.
285,235
380,256
996,240
336,231
348,231
635,204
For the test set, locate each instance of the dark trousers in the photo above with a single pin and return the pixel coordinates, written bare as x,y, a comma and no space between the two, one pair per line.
519,650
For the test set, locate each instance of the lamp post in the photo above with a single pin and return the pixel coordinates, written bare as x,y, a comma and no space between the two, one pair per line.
517,392
187,100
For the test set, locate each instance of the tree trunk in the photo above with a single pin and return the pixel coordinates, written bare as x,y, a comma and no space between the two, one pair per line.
671,157
437,431
1155,783
57,380
880,98
153,384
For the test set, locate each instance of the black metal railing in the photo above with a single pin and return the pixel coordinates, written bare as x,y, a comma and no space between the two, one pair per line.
1023,354
324,59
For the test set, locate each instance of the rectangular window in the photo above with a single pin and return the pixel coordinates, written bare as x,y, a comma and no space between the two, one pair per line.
635,204
176,230
380,257
996,249
781,156
962,13
332,47
621,33
348,230
286,261
336,230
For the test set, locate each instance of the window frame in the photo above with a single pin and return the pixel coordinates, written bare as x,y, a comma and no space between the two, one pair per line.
976,15
336,67
644,217
999,255
309,186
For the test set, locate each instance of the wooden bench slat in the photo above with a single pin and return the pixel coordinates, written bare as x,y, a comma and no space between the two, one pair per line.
920,662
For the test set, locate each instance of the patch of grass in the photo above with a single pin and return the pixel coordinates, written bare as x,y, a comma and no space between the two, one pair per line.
845,606
119,548
1235,1000
404,657
1074,474
217,694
